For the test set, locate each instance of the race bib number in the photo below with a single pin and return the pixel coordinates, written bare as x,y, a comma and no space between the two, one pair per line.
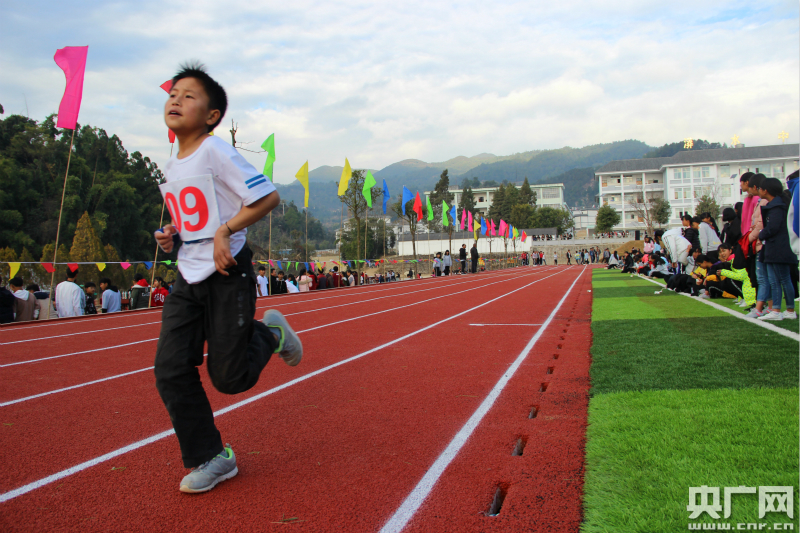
192,204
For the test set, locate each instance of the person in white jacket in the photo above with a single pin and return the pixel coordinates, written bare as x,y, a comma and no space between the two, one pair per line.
70,298
675,245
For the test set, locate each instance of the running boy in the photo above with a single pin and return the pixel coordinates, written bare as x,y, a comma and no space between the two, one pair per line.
214,296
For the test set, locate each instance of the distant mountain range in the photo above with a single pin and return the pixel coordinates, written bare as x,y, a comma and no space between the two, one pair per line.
572,166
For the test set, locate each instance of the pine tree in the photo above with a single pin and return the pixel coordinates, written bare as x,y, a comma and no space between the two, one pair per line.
526,194
467,200
86,246
498,202
510,199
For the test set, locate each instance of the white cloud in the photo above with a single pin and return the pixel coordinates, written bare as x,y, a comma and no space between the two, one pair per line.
380,82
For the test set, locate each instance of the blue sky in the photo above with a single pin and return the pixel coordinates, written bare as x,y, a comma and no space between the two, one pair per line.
379,82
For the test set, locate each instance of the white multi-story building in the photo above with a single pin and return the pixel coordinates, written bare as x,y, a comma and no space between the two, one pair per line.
547,194
685,177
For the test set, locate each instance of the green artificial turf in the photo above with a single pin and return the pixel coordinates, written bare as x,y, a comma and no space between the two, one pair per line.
645,449
730,303
689,353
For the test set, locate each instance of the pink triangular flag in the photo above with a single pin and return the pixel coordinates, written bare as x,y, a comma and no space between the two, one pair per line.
463,219
124,265
470,221
72,60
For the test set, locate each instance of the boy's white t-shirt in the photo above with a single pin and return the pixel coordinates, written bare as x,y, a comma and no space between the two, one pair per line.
262,282
236,183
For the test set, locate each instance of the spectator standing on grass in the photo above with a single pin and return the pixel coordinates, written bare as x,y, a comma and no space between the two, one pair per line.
675,246
708,219
648,245
26,306
606,255
70,300
474,256
89,288
709,240
749,202
6,306
111,301
261,281
764,292
776,251
158,296
732,229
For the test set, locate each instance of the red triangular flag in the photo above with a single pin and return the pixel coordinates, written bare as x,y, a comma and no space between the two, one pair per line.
73,266
49,267
418,206
167,86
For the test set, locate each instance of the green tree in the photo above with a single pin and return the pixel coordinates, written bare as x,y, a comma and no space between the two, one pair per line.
498,204
522,216
356,204
607,218
467,200
553,217
707,204
510,199
441,192
526,194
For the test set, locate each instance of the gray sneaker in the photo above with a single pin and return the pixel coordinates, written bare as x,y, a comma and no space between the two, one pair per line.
290,348
206,476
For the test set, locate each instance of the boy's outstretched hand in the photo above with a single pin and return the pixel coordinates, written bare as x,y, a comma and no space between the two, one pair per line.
164,237
222,250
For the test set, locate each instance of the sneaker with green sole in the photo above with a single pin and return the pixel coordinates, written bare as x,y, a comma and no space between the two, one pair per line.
290,348
206,476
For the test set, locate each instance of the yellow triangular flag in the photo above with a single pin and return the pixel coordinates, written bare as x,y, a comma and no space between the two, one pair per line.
344,181
100,266
302,177
14,269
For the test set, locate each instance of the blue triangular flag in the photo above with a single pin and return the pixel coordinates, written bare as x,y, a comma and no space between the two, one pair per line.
385,195
453,214
280,267
148,265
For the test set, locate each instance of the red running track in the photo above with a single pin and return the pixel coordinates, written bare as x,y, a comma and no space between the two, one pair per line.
392,374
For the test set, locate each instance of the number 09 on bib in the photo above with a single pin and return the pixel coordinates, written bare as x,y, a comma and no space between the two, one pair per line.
192,204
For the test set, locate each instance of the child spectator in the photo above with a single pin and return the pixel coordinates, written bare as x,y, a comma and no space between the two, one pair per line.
70,300
159,294
110,300
26,306
776,251
261,281
139,292
303,282
89,288
6,306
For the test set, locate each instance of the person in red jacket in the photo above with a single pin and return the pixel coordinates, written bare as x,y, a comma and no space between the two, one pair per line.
159,293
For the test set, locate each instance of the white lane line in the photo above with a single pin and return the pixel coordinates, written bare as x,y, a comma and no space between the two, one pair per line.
505,324
414,500
10,402
79,333
764,324
76,353
6,496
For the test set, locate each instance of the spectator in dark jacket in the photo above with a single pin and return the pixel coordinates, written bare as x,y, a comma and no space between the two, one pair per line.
689,233
322,281
732,229
776,252
462,256
6,305
474,256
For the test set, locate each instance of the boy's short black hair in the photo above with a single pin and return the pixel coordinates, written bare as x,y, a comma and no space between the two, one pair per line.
217,99
702,259
88,284
159,279
262,267
696,220
71,273
746,177
138,277
728,214
725,246
105,280
32,287
16,282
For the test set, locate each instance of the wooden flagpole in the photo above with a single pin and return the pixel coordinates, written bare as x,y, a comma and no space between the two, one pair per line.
60,211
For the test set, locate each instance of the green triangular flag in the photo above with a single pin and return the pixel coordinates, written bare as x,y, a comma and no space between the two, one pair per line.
430,208
168,261
369,183
445,209
269,147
